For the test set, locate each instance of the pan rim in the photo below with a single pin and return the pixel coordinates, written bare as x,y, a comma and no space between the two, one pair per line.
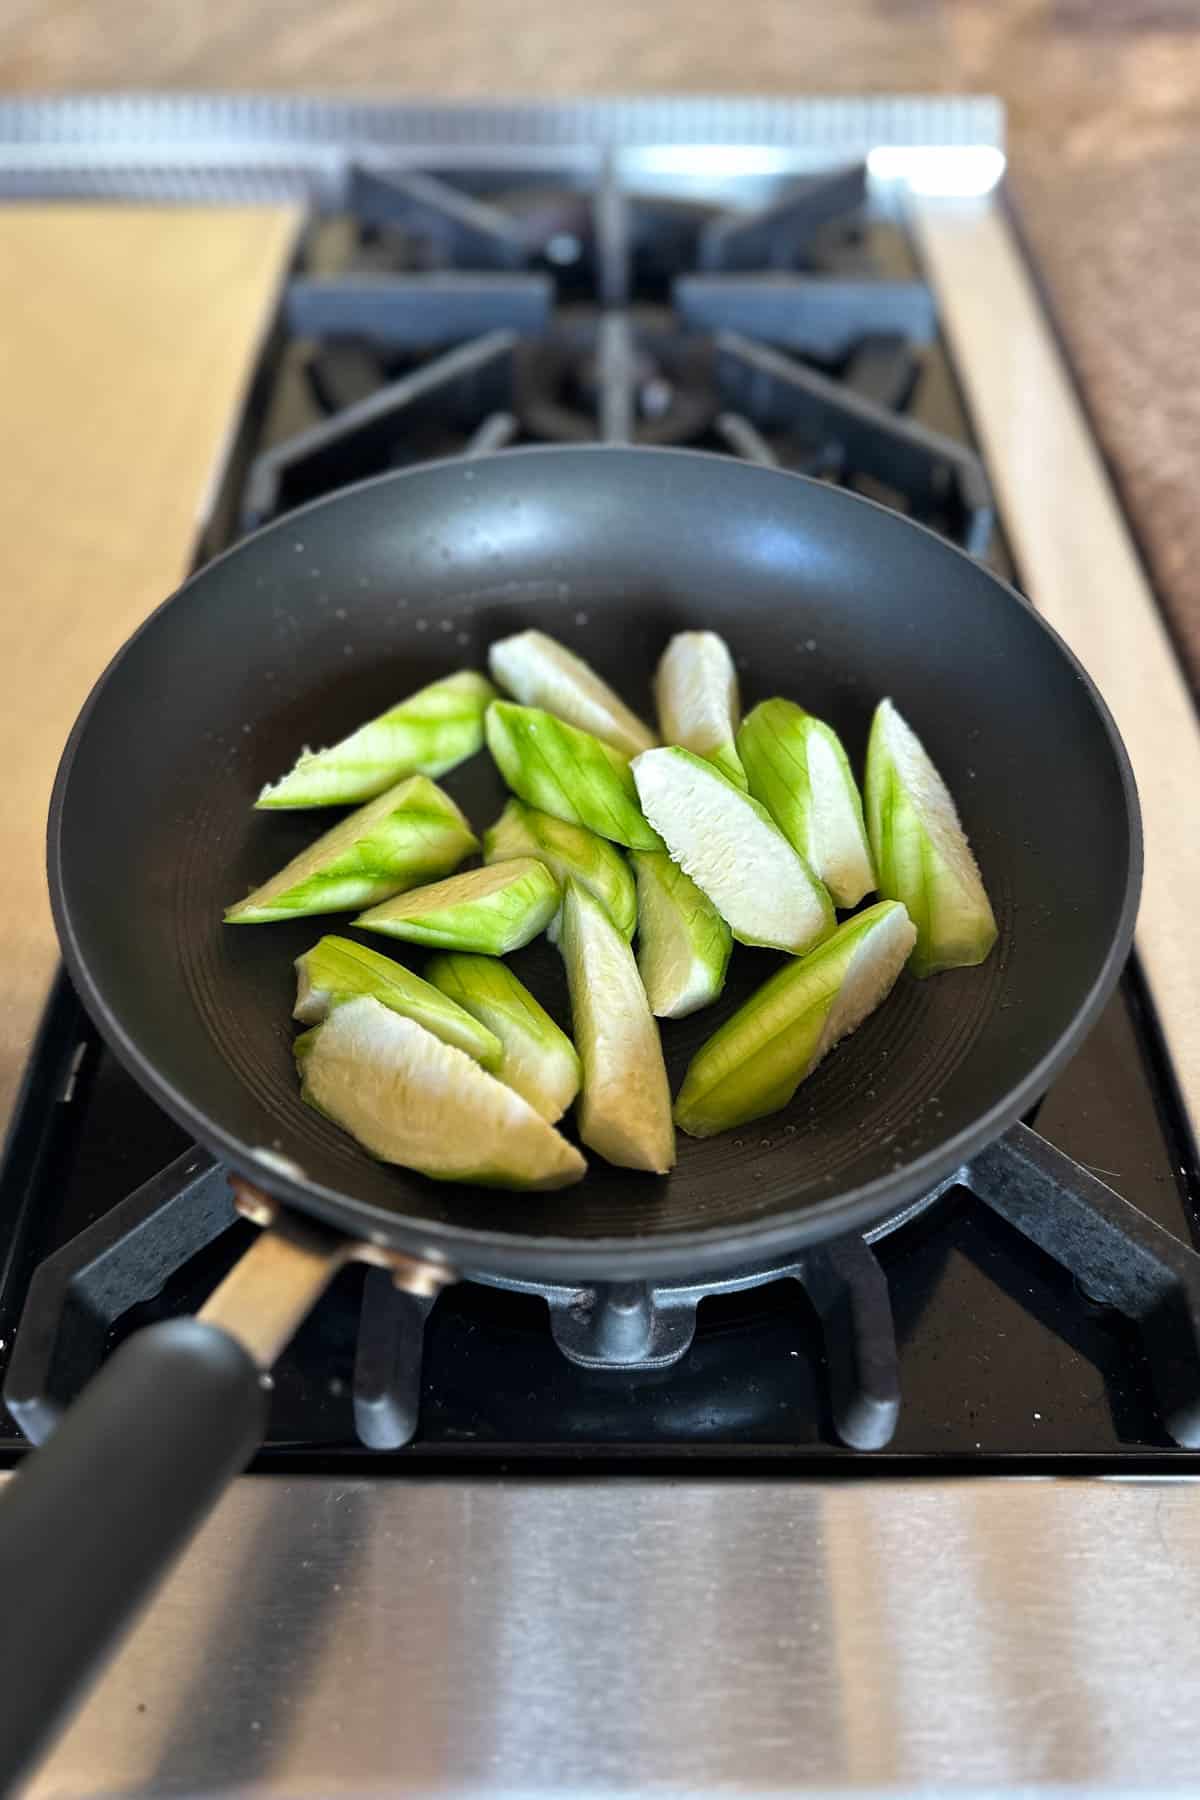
692,1250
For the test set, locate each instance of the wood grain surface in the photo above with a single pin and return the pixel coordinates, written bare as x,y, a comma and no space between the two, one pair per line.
126,339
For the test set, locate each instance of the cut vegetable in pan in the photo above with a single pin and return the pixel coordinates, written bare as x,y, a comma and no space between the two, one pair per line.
568,851
698,706
494,910
796,766
624,1111
411,1099
537,1059
429,733
568,773
683,942
539,671
733,851
337,969
921,852
412,833
753,1065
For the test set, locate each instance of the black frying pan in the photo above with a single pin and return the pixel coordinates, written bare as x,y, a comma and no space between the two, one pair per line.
316,623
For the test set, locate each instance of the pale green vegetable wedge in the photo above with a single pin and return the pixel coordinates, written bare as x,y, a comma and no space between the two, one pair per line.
733,851
755,1062
696,690
537,1059
567,773
796,766
683,942
432,731
412,833
494,910
568,851
539,671
625,1108
337,969
921,852
410,1099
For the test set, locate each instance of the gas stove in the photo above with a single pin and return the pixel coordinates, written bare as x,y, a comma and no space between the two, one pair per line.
784,284
437,311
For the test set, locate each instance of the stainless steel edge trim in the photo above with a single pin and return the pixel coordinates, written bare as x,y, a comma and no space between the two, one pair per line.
631,1636
260,149
1082,571
103,125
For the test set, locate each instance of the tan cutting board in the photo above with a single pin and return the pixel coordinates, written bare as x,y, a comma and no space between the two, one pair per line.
126,339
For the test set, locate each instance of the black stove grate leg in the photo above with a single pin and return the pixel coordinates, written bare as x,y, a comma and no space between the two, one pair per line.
1119,1256
388,1363
849,1290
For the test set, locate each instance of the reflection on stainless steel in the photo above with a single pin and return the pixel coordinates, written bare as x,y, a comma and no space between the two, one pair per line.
461,1637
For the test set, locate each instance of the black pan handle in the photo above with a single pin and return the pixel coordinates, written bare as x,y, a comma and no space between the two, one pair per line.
91,1522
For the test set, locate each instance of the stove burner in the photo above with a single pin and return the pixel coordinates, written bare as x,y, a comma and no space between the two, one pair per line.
617,378
105,1280
643,1326
771,334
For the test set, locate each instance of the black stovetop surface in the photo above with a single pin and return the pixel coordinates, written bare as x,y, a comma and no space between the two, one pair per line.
1001,1354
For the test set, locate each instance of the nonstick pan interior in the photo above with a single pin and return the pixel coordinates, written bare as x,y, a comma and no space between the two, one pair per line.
310,627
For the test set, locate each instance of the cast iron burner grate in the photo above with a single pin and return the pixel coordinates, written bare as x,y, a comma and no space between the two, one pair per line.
97,1285
464,315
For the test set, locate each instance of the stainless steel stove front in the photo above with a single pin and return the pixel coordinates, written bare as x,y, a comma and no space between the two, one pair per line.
633,1636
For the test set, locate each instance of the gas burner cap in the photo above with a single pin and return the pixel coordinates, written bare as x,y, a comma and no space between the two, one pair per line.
559,384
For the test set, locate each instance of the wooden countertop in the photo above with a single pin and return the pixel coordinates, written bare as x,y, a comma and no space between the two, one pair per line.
1104,112
128,336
